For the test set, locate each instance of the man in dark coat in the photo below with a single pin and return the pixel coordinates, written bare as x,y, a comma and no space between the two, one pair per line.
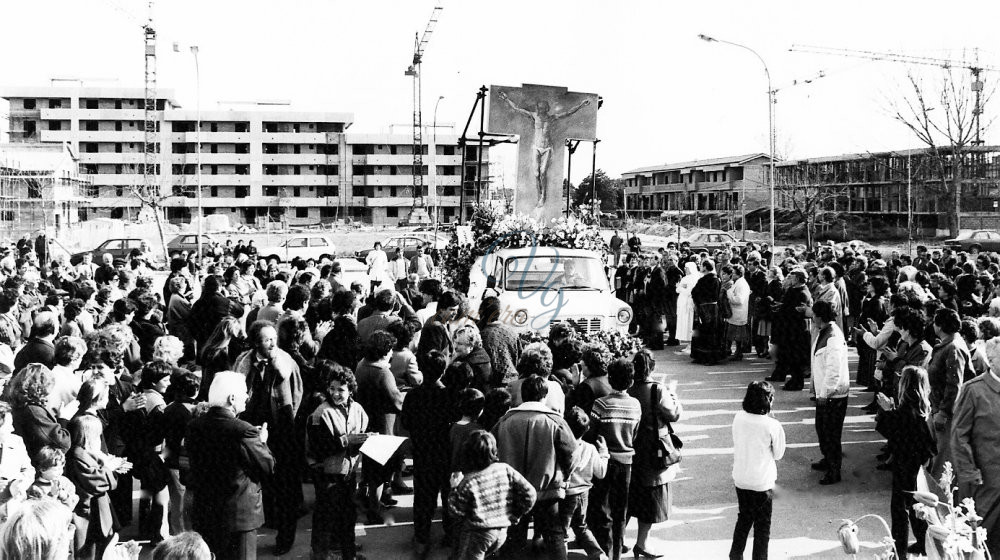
229,459
757,279
789,332
656,305
210,309
706,348
39,348
674,275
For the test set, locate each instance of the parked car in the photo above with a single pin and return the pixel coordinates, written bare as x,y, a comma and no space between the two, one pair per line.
304,245
540,286
189,243
710,240
119,249
980,240
409,243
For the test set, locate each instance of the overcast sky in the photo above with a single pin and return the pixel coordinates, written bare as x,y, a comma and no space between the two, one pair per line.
669,97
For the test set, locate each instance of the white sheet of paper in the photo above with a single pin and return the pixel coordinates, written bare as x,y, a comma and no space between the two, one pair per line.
380,448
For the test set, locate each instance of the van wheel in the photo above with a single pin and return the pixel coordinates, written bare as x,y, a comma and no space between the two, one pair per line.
325,256
976,247
275,257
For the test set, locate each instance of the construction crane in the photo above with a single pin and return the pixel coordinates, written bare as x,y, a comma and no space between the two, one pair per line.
974,68
419,213
149,171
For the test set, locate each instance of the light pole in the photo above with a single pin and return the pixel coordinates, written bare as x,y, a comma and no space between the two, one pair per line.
197,140
770,134
436,201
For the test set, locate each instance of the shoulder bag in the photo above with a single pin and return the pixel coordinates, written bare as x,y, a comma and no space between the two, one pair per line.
666,447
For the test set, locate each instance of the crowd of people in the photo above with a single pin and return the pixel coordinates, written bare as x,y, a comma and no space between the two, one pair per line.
220,397
927,334
215,402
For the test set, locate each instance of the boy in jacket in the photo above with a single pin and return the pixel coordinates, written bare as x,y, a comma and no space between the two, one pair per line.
538,443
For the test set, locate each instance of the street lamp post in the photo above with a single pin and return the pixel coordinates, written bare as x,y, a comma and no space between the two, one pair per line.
197,140
770,133
436,200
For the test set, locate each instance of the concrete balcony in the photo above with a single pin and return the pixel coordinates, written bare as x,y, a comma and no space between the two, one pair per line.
210,137
293,138
402,180
209,180
300,159
211,159
113,136
130,114
113,158
298,180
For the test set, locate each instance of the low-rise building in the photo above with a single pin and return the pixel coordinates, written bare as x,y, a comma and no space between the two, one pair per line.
40,189
708,185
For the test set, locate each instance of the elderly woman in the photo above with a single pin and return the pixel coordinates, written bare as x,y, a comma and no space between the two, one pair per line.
950,367
178,310
975,444
649,490
765,305
832,382
31,395
537,360
469,349
75,321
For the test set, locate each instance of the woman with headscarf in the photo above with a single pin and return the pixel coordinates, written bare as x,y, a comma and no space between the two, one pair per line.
685,305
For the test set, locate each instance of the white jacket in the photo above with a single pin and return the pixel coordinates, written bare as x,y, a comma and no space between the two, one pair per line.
831,377
739,301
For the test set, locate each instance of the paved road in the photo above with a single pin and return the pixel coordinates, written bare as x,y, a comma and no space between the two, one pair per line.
806,515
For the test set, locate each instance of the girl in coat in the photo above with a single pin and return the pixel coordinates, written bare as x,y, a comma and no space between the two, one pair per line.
94,474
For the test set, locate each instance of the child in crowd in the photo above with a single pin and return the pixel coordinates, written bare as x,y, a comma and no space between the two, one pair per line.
758,441
470,406
616,417
50,462
334,434
589,462
95,474
491,497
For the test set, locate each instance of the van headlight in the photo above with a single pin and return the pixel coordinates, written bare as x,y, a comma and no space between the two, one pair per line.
521,317
624,315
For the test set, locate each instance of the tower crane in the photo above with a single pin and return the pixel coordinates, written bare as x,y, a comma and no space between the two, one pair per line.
974,68
149,171
419,213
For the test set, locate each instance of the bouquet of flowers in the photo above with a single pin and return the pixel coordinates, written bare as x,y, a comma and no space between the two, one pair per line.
494,228
618,345
953,532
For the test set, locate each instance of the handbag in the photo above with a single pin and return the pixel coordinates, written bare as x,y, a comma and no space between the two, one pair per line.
725,308
666,448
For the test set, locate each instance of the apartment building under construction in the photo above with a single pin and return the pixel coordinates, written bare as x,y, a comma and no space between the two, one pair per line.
41,188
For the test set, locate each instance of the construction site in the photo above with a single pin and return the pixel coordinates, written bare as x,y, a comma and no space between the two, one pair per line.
41,189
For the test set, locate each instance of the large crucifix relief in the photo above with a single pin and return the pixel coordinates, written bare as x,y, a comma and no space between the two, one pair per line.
543,117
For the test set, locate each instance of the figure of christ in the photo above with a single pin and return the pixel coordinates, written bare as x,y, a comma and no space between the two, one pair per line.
541,143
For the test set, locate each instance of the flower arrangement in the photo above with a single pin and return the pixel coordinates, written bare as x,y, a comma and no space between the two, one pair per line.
619,345
954,536
494,228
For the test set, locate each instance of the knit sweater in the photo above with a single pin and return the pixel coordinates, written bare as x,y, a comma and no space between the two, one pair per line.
493,498
503,346
617,418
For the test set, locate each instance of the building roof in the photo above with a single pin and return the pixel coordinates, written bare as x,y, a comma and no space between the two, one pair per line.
729,160
35,156
889,153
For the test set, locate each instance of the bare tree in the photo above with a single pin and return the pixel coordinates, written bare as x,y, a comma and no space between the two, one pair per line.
813,199
154,198
943,117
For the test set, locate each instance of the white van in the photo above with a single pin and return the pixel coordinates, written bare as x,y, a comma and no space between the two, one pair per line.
539,286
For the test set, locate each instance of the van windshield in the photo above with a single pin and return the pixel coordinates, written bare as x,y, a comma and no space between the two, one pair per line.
555,272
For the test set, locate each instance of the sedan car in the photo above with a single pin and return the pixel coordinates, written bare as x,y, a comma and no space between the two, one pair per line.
119,249
408,243
303,245
710,240
189,243
980,240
